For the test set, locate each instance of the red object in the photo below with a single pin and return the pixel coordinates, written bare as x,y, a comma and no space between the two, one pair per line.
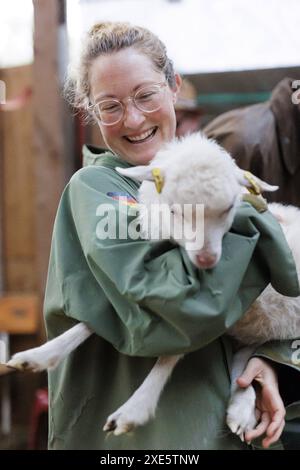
40,407
17,102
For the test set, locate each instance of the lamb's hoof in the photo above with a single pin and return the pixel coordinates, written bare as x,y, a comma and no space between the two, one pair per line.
241,412
118,424
30,361
128,417
17,365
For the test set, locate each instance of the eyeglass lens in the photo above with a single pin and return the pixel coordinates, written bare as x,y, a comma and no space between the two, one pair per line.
147,99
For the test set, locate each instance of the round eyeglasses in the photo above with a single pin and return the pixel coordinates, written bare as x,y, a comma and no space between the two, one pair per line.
147,99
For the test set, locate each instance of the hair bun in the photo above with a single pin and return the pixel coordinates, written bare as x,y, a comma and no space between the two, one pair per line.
99,27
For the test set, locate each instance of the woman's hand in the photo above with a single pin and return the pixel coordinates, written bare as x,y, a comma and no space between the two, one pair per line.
269,405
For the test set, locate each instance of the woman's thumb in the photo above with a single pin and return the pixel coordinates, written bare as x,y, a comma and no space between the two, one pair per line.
248,375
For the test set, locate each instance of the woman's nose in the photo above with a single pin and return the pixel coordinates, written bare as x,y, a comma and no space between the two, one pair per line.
133,117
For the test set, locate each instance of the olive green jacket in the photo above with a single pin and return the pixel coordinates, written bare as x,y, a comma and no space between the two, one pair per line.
144,299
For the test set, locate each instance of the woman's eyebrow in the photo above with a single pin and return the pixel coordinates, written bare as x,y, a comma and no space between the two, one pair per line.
109,95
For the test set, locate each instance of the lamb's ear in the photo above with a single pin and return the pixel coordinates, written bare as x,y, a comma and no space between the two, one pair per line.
140,173
252,182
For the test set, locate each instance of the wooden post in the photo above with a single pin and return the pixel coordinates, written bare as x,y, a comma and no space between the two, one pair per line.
1,201
35,162
52,168
4,391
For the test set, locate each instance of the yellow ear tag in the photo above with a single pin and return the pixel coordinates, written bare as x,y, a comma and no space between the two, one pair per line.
254,188
158,179
258,202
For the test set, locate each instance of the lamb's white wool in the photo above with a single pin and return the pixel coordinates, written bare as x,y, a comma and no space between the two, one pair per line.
272,315
289,219
187,166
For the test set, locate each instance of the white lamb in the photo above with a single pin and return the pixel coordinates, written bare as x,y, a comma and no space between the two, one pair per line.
194,171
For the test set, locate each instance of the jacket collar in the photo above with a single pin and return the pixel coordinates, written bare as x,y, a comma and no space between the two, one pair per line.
97,156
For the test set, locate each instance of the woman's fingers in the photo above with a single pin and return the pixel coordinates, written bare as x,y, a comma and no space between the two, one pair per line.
272,428
267,441
260,429
276,422
269,401
276,412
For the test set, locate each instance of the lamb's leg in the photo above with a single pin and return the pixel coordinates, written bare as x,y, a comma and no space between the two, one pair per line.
142,404
50,354
241,409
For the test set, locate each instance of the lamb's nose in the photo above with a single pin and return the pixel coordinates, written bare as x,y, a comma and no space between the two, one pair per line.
206,260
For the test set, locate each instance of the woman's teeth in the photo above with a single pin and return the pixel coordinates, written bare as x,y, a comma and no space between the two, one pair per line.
142,137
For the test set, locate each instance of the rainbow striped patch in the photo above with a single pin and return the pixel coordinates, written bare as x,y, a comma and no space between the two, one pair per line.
123,198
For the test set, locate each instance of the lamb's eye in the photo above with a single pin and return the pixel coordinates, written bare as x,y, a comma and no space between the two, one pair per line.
227,210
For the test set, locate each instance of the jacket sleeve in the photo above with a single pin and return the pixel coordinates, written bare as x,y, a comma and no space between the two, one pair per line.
145,297
234,131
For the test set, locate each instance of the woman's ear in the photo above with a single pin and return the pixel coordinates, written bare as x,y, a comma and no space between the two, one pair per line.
176,89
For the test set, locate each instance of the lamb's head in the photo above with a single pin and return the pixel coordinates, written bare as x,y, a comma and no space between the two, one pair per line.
199,187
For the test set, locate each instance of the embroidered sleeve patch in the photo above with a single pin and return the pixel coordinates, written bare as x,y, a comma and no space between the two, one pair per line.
123,198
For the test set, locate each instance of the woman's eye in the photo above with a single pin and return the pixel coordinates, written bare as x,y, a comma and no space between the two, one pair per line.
110,108
146,96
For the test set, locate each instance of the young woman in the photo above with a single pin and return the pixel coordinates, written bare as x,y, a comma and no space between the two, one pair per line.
144,299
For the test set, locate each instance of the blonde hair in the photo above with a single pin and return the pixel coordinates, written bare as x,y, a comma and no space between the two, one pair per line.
106,38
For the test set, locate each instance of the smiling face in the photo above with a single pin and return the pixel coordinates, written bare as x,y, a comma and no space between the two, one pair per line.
138,136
